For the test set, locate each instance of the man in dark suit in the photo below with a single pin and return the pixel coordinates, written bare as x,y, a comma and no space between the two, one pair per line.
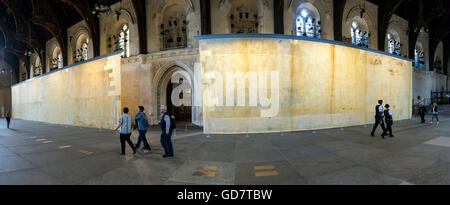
389,121
379,114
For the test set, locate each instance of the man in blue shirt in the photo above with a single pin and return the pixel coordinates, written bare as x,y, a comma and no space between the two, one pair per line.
125,131
142,125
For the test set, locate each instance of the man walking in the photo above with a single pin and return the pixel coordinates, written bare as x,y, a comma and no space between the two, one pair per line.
422,112
142,125
379,114
166,132
435,113
8,119
125,131
389,121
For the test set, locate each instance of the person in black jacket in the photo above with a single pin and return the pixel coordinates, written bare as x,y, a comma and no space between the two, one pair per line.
389,121
379,114
8,119
166,132
434,110
422,112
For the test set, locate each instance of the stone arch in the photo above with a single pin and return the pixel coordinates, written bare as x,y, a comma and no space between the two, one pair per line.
35,60
80,35
51,46
368,21
324,9
419,47
112,27
393,32
400,26
57,54
311,10
310,7
160,81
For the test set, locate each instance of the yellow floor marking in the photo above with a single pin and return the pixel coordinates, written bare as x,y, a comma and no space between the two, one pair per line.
264,167
205,174
85,152
46,142
64,147
208,168
266,174
38,140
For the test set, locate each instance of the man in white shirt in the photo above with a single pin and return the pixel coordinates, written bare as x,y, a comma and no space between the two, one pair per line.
379,115
125,131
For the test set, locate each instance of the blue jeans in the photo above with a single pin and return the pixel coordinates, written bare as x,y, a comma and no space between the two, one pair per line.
435,116
166,142
143,139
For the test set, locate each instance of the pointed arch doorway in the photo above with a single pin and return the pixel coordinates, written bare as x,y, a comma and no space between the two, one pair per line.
167,85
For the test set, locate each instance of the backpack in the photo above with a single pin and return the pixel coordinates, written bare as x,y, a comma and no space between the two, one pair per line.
172,122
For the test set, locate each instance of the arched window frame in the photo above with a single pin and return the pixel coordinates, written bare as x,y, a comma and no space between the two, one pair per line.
419,58
84,48
394,46
124,41
360,36
60,60
306,24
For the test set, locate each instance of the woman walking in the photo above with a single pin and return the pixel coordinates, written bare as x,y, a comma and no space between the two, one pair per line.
434,111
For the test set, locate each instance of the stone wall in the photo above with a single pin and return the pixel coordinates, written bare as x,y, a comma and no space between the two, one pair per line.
424,82
339,88
352,11
86,94
145,78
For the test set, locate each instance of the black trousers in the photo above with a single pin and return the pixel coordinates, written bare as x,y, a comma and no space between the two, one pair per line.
378,122
123,138
422,117
7,123
388,129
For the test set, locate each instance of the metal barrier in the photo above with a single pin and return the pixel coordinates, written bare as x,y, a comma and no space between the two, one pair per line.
440,97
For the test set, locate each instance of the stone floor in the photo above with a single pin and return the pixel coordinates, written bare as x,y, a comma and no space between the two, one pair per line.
40,153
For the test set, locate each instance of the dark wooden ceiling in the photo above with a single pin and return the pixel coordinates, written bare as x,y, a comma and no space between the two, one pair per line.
27,24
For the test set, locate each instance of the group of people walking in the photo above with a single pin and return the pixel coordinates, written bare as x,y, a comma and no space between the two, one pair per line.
434,111
386,114
141,124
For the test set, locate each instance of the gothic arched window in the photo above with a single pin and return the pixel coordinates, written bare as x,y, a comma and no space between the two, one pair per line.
81,53
244,20
84,51
360,36
56,61
394,46
418,58
36,67
124,41
60,60
307,25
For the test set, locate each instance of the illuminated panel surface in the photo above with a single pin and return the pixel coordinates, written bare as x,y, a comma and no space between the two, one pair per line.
87,95
320,84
